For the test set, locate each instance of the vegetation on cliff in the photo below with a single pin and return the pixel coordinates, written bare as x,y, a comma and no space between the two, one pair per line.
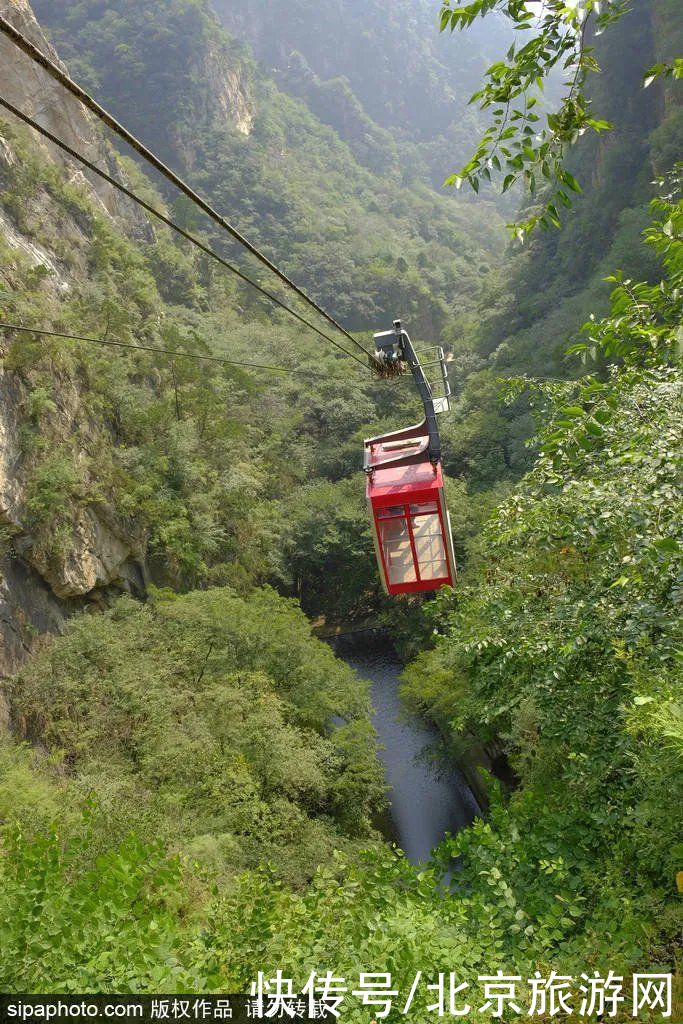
364,242
201,780
563,640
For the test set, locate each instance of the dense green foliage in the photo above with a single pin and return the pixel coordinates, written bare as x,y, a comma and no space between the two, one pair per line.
532,311
515,144
210,724
204,722
563,641
369,244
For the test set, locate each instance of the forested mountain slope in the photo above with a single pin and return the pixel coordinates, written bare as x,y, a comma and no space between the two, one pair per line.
384,78
559,278
365,242
403,73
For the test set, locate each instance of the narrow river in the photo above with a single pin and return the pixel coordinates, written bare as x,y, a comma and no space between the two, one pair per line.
426,801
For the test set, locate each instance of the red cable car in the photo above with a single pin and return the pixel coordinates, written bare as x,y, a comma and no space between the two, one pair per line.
406,500
405,488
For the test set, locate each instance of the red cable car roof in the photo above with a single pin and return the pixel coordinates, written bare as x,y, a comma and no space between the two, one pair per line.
395,481
398,464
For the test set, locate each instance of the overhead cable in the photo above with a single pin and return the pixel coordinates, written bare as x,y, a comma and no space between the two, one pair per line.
171,224
176,353
112,123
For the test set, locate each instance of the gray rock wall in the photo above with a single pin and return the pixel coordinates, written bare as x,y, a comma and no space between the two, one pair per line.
27,86
104,555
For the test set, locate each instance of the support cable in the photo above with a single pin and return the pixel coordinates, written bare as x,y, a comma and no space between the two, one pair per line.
176,353
171,224
100,112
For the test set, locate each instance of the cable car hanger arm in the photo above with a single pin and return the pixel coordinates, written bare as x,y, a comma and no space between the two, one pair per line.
394,347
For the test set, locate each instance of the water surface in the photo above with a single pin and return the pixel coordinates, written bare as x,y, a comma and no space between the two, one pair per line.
426,801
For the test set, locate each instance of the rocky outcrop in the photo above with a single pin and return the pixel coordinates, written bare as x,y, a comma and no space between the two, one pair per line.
38,587
28,87
228,92
103,556
28,608
226,99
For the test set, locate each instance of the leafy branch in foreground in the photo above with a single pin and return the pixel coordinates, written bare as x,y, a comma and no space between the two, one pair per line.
515,146
672,69
645,319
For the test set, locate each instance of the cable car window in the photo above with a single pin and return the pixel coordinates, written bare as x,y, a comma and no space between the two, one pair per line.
429,546
424,506
397,551
392,510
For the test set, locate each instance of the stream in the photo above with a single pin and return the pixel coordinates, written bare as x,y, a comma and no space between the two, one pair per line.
426,800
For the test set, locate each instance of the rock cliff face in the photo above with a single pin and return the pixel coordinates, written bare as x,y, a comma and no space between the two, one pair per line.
228,97
99,553
103,554
27,86
181,43
225,100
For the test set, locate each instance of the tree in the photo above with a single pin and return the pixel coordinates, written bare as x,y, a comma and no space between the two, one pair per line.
514,146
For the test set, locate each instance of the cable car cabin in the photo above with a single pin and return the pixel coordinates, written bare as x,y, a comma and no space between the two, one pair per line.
411,526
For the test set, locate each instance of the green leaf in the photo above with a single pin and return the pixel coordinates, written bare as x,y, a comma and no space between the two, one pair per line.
569,180
667,544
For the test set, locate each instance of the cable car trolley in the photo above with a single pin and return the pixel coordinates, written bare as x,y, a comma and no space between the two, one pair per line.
405,487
